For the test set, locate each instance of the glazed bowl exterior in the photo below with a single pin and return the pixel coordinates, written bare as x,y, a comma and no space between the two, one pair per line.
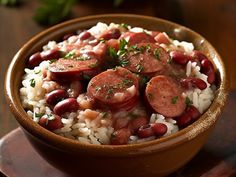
154,158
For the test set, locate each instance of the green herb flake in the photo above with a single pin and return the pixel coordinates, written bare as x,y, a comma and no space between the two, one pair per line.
188,101
102,40
104,115
148,48
32,82
127,82
123,44
112,52
139,68
39,115
124,62
86,77
82,58
97,88
37,72
169,61
174,99
143,80
156,54
70,55
124,25
52,61
110,91
93,65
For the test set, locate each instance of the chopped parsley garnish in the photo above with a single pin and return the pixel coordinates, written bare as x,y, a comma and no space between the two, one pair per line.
143,80
39,115
169,61
102,40
97,88
139,68
93,65
127,82
174,99
156,54
123,44
70,55
52,61
37,72
124,62
32,82
188,101
148,48
86,77
82,58
124,25
110,91
112,52
104,115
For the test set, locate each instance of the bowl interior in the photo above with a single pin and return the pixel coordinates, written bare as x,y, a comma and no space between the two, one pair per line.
16,70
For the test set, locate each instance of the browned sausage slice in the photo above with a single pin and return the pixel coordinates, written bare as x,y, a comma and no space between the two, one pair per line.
136,38
73,69
115,88
145,58
165,96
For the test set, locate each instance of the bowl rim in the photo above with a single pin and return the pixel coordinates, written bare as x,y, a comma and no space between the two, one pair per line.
205,122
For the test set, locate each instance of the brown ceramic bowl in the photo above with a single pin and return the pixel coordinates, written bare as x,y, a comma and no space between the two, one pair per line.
154,158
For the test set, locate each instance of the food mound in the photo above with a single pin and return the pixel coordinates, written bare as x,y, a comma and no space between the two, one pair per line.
117,84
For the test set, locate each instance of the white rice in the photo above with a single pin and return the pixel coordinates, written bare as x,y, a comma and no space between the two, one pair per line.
78,125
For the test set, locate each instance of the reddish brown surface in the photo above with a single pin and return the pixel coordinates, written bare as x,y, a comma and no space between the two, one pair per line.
216,159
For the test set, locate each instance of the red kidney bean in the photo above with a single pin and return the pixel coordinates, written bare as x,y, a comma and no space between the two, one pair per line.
159,129
113,33
184,120
193,82
84,35
136,123
67,36
51,54
208,69
120,137
193,112
190,115
35,60
121,122
179,57
51,124
198,55
55,96
67,105
145,131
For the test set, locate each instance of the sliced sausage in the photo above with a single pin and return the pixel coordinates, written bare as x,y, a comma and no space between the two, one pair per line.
145,58
73,69
136,38
165,96
115,88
